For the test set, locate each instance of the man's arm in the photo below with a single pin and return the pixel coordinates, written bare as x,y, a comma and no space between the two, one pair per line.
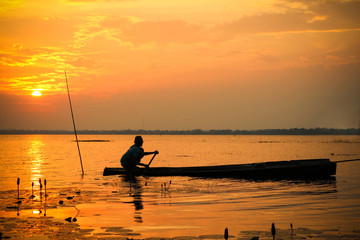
149,153
143,164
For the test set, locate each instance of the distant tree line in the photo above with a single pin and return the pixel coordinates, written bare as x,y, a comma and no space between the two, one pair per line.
291,131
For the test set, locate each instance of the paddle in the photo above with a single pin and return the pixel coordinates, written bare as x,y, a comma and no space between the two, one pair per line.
349,160
152,159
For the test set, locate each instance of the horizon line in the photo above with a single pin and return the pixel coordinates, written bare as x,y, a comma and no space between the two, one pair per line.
270,131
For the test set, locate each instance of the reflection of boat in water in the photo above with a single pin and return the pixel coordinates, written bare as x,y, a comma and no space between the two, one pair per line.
280,169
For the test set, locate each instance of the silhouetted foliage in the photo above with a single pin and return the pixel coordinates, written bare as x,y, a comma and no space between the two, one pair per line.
291,131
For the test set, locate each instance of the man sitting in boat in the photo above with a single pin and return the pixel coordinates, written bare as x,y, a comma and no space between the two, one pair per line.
133,156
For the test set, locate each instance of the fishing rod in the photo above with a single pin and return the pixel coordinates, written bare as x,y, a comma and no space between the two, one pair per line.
72,115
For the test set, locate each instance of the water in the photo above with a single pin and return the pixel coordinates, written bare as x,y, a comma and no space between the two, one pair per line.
111,206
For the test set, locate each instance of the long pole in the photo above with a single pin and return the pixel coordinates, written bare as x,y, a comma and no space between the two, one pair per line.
72,115
152,159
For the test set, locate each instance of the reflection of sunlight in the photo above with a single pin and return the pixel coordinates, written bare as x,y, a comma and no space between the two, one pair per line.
35,153
36,211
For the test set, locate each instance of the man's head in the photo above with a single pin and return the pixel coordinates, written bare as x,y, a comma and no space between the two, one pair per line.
138,141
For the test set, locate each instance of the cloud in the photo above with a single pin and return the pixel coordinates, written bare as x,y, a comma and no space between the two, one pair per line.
94,1
26,69
164,32
134,31
16,55
36,31
99,48
314,16
6,5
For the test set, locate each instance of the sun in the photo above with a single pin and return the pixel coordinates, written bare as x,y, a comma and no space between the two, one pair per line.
36,93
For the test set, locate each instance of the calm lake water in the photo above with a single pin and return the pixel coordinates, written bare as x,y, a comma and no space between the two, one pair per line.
110,207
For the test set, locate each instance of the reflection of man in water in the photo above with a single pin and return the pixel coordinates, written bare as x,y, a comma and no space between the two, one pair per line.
136,194
138,203
134,155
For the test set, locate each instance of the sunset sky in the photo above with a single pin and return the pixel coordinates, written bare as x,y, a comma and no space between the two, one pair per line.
179,65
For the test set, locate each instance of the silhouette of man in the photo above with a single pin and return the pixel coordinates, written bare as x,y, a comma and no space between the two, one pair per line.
133,156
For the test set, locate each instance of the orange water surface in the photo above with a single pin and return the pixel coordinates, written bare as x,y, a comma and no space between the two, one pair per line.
112,205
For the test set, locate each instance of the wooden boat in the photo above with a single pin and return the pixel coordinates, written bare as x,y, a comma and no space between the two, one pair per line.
280,169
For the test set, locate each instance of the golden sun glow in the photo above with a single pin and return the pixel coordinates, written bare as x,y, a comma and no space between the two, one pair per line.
36,93
189,61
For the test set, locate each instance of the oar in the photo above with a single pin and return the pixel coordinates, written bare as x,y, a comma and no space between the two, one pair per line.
152,159
349,160
149,164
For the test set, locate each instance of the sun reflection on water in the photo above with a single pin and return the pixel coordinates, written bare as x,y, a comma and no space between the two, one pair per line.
36,159
36,211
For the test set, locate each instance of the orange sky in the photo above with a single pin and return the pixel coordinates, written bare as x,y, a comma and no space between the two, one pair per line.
180,64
